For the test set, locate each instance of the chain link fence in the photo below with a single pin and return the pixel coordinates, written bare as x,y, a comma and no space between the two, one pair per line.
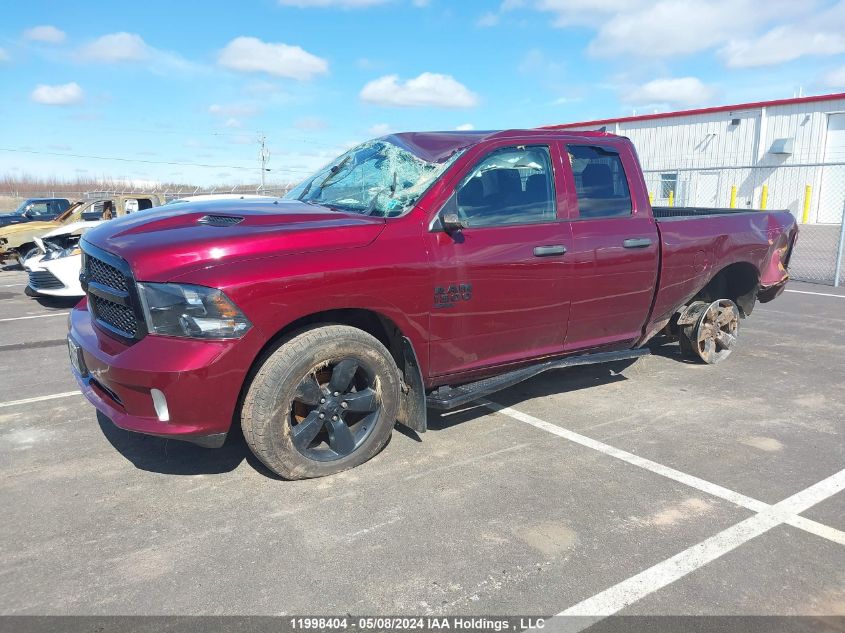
10,198
814,193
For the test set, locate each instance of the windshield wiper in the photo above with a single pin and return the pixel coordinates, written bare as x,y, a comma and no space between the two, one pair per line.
332,172
325,205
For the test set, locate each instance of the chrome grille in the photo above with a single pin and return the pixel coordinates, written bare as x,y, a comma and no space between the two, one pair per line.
44,280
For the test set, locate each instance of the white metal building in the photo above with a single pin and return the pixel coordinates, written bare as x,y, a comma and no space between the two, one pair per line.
788,153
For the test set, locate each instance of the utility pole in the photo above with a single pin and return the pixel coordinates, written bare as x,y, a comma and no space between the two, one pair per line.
263,156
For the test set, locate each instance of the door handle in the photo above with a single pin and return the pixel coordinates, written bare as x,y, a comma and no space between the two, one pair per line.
548,251
641,242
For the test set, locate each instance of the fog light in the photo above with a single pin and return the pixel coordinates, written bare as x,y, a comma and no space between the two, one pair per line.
160,404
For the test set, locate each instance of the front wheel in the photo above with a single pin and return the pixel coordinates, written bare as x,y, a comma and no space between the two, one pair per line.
326,400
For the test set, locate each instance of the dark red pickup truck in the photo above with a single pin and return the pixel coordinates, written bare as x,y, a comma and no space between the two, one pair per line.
418,270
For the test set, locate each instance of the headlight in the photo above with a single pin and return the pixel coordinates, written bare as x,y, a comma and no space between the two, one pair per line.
192,311
58,254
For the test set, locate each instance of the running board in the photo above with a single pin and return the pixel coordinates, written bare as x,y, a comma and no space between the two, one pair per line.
445,398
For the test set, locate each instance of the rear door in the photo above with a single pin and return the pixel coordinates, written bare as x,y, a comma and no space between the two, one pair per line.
499,291
615,248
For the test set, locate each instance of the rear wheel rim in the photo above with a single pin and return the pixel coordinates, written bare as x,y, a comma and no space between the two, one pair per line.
334,410
716,333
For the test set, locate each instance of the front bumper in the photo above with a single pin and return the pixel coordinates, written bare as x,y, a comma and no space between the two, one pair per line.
200,380
54,277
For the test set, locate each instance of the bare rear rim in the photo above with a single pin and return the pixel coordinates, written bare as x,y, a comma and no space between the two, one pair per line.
335,409
716,331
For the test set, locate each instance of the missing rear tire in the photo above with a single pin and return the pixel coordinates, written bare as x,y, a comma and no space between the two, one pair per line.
709,330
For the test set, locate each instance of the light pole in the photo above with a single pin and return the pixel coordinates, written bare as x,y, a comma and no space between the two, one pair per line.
263,156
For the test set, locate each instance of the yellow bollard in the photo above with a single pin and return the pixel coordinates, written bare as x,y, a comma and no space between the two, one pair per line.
650,198
671,197
733,196
808,192
764,197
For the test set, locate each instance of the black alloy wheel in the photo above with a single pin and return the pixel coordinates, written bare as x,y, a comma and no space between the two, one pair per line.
334,410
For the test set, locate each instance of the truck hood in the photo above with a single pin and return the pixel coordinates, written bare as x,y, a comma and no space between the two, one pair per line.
163,243
35,228
73,227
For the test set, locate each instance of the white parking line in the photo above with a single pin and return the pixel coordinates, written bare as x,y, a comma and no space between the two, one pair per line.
820,294
11,285
13,403
36,316
637,587
692,481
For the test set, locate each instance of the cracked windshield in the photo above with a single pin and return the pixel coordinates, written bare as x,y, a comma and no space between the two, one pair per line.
376,178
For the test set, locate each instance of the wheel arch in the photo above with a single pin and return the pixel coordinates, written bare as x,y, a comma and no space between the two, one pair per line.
382,328
739,282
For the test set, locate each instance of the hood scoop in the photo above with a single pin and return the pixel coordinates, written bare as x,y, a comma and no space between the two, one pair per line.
220,220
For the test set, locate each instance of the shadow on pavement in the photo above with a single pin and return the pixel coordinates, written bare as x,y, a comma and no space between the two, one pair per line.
57,303
175,457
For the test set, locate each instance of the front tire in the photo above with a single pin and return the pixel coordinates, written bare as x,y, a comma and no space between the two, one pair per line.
324,401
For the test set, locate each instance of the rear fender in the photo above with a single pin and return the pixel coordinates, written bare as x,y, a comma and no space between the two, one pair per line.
773,272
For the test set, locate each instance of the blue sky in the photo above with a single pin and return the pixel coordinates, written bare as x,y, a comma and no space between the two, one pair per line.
166,82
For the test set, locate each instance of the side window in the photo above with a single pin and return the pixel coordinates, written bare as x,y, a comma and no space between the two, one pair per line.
600,182
512,185
38,208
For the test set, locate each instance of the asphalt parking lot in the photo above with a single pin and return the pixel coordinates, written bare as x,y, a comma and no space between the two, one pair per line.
668,488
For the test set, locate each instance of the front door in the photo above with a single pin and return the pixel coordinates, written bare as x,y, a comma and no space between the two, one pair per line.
499,291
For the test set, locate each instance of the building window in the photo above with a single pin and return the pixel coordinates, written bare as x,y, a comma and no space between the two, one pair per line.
668,182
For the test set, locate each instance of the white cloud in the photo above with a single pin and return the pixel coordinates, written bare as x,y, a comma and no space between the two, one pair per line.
116,47
249,54
60,94
819,34
45,33
123,47
233,123
781,44
492,18
428,89
233,109
4,56
465,127
343,4
835,78
668,28
380,129
680,91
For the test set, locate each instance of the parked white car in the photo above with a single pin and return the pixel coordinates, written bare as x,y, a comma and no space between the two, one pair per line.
54,266
217,196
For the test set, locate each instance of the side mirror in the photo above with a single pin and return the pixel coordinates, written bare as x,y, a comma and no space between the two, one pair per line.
448,220
451,222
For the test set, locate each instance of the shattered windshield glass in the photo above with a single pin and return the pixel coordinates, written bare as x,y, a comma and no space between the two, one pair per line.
376,178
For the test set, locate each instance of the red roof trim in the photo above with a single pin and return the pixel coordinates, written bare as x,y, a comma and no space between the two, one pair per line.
726,108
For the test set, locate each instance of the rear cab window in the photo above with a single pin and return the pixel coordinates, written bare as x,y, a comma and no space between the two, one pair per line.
601,186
